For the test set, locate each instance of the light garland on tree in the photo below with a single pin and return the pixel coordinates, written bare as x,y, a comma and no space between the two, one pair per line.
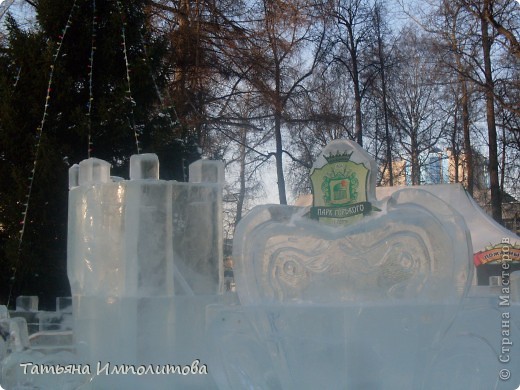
129,90
173,123
90,75
39,133
16,79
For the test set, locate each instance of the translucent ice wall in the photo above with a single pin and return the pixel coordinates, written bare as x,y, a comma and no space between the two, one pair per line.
371,294
141,254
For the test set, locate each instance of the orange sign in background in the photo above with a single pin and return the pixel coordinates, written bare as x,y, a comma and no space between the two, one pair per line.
498,252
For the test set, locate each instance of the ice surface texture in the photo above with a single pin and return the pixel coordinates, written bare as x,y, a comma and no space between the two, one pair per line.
361,346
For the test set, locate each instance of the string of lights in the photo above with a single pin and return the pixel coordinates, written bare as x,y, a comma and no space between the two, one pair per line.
39,133
175,122
90,78
16,79
129,83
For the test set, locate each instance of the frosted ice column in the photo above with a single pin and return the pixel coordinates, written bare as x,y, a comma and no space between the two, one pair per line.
207,171
95,258
148,244
95,228
144,166
73,176
92,171
197,229
148,231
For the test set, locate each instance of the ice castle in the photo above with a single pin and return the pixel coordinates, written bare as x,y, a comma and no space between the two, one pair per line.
355,292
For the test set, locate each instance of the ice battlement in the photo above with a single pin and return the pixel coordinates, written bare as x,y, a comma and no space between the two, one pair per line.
135,237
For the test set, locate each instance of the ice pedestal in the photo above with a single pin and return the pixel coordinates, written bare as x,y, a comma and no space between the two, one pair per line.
363,346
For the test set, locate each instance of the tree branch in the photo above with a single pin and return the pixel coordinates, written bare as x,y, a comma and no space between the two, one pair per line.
295,159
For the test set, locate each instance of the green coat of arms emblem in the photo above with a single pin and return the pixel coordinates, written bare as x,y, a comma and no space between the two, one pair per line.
340,190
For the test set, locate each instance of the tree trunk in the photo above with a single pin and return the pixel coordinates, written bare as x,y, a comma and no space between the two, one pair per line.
357,92
279,155
468,151
496,202
416,172
454,148
464,102
242,177
382,64
357,104
278,135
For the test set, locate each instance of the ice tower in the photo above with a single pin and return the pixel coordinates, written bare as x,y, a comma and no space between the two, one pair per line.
141,253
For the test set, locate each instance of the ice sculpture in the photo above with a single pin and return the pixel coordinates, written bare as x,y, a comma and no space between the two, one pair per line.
371,295
351,293
144,260
487,236
413,247
142,254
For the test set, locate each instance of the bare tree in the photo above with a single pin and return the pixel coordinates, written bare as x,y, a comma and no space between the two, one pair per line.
491,26
280,50
354,35
487,40
415,102
323,113
453,27
379,27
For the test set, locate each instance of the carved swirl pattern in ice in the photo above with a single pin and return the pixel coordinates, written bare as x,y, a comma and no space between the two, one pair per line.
416,249
395,266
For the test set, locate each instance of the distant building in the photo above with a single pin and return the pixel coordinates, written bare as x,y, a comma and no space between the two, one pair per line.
434,171
399,174
440,167
443,167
